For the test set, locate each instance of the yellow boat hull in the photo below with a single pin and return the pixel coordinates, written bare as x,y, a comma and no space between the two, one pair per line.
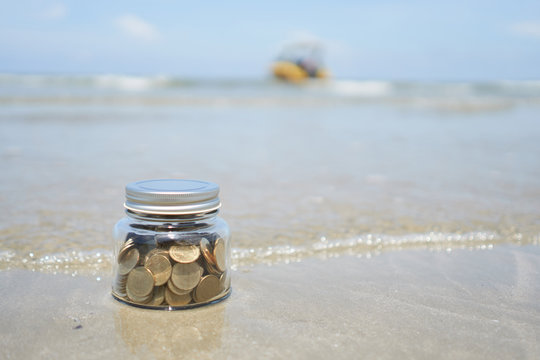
291,72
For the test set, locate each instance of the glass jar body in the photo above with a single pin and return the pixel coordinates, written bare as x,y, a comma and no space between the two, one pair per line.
171,262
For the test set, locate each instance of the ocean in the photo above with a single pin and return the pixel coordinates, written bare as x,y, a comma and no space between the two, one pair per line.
314,170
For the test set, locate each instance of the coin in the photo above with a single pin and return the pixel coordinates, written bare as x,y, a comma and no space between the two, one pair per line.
127,259
186,276
176,290
140,282
120,279
119,285
175,299
208,288
184,254
138,299
160,267
206,250
210,268
158,295
129,242
156,251
225,280
219,255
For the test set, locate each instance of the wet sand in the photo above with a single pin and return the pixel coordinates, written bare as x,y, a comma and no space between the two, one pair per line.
399,304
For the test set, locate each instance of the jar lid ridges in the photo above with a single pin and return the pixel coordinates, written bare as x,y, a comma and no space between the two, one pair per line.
172,196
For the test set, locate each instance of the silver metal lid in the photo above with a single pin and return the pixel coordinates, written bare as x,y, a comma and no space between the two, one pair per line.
172,197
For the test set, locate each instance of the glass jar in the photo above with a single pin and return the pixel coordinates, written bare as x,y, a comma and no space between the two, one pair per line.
172,251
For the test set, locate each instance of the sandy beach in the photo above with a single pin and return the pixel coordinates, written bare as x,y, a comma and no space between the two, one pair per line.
402,304
401,225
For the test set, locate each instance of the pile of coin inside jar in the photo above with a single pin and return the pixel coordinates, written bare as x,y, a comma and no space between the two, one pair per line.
171,272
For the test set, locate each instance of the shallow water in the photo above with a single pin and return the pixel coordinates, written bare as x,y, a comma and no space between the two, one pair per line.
313,171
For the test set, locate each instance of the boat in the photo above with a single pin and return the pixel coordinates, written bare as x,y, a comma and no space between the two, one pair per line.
299,62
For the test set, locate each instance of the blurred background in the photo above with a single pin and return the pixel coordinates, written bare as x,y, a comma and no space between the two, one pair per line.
388,40
342,127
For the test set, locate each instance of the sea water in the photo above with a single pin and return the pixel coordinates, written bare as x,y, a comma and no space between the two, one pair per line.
320,169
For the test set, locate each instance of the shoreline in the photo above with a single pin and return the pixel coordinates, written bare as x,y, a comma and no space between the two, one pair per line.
98,261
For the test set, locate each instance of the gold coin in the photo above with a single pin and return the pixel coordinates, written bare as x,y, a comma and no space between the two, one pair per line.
175,299
128,244
176,290
140,282
211,269
138,299
225,280
144,250
219,255
208,288
158,296
156,251
184,254
160,267
120,279
206,250
119,285
186,276
127,259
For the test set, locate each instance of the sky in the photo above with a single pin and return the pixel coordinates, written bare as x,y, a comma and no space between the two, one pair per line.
388,40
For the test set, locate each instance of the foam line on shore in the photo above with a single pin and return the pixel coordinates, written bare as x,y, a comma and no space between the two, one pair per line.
99,261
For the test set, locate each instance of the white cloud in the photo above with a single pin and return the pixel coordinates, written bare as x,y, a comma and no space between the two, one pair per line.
136,27
527,28
54,11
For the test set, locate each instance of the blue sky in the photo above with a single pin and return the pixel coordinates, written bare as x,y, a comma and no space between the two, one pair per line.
412,40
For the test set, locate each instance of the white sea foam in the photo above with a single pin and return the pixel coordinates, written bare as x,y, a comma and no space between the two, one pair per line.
99,261
361,88
367,245
129,83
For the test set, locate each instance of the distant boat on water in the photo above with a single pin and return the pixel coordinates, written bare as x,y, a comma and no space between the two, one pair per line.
300,61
